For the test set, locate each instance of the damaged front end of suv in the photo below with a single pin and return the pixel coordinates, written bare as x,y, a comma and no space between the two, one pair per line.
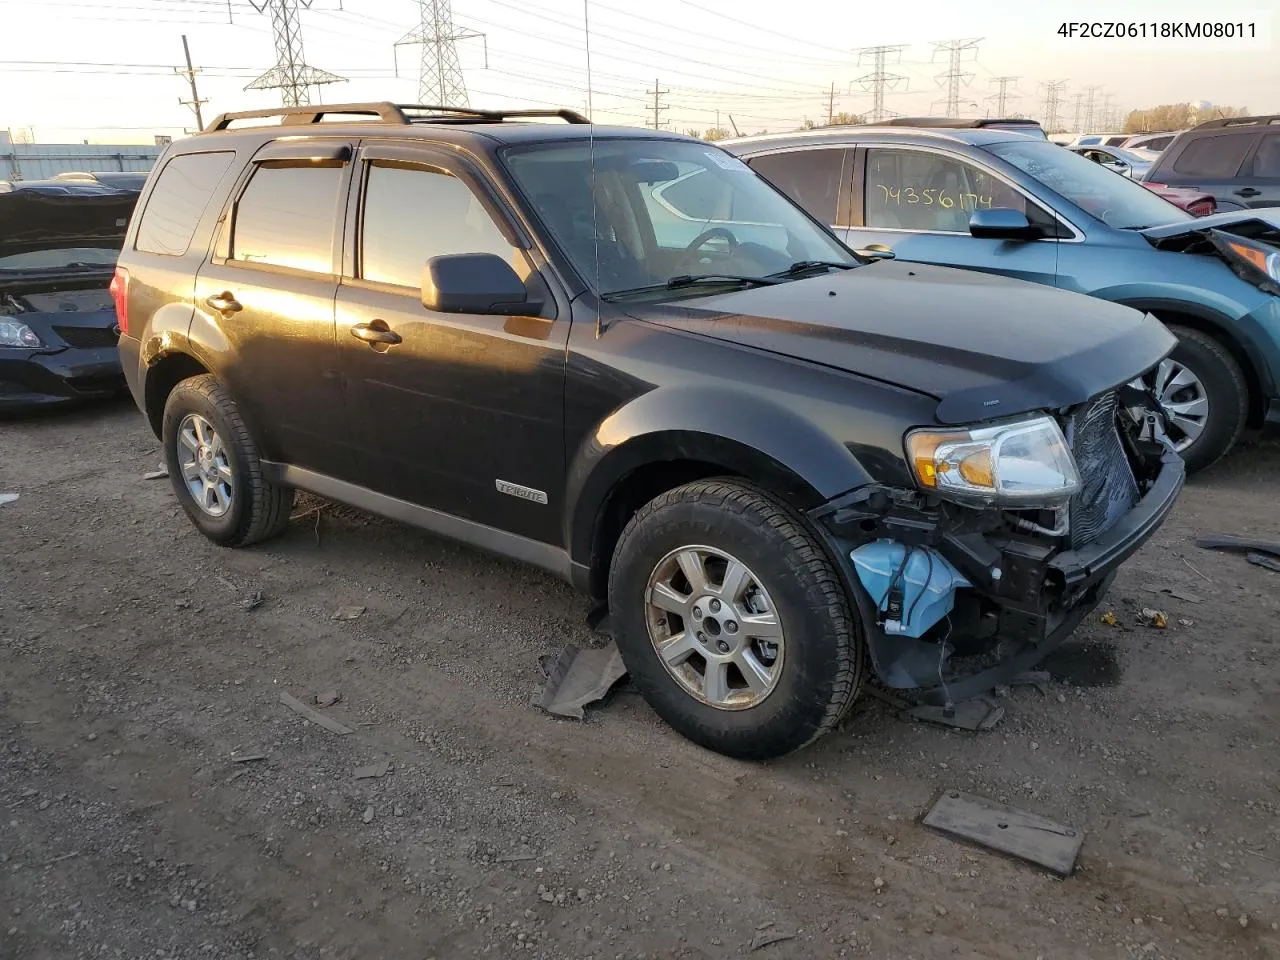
1010,535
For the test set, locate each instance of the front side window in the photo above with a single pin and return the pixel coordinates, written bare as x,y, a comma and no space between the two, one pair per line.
922,190
414,213
1266,162
633,213
1117,201
286,216
812,178
178,200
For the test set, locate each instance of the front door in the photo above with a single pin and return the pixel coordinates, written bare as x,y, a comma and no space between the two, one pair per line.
918,202
456,412
268,293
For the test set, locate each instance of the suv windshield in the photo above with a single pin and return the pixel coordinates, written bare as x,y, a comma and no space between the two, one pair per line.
1117,201
664,211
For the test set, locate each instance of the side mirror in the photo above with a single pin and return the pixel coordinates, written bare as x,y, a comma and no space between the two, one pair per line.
480,283
875,251
1002,223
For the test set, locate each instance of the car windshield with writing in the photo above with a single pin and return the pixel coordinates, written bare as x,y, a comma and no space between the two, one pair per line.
1117,201
668,217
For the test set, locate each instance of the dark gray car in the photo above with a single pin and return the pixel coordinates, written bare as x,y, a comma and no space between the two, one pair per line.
1236,159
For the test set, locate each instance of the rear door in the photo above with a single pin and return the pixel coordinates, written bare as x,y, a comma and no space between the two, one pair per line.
268,291
457,412
1212,164
917,202
1260,186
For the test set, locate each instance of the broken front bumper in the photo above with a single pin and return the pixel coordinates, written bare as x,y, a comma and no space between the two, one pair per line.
32,378
1025,597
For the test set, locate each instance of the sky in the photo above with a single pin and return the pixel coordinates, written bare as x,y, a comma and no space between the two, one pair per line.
104,71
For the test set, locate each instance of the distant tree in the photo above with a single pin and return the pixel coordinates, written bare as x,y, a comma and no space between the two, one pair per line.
1176,116
843,118
691,133
808,124
717,133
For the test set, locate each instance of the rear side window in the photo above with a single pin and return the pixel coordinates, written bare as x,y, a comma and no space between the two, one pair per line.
285,217
1212,156
178,200
811,178
1266,162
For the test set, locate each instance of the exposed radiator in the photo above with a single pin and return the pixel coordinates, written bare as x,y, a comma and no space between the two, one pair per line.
1108,488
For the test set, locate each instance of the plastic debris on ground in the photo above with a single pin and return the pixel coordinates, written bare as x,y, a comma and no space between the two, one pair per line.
1007,830
1150,617
1110,619
576,677
1225,541
1264,561
347,613
159,473
7,498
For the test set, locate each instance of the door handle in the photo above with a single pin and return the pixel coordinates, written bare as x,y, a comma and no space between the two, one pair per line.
375,331
1247,192
224,302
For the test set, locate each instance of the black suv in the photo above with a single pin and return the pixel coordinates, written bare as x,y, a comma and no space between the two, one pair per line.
622,356
1236,159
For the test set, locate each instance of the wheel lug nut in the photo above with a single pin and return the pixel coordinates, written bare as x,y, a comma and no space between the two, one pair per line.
731,626
715,606
697,613
702,637
722,646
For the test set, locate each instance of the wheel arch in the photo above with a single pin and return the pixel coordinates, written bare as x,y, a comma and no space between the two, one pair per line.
1214,324
164,373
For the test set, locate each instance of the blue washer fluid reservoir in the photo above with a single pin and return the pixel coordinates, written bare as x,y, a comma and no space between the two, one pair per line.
927,581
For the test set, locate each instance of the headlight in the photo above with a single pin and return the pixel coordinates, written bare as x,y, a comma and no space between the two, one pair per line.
1022,464
15,334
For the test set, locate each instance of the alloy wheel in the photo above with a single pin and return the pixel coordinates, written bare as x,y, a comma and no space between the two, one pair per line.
205,464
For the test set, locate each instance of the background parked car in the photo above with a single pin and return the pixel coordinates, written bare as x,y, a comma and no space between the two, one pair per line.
1099,140
124,179
1004,203
1128,163
59,240
1155,142
1235,159
1195,202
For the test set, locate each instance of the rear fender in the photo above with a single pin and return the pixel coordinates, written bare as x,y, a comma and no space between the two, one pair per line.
744,434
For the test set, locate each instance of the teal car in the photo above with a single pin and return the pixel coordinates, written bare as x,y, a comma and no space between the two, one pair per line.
1006,203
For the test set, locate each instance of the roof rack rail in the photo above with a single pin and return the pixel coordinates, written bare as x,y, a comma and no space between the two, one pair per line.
386,112
1260,121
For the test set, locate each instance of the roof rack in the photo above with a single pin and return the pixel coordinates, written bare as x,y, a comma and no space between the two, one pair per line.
386,112
955,122
1239,122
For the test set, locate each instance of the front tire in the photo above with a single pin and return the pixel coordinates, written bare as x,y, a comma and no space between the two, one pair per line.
215,469
1205,398
732,621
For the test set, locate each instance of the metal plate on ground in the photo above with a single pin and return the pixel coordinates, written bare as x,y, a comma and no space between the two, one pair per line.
1054,846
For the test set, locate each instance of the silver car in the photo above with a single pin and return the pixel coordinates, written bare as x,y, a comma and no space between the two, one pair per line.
1129,163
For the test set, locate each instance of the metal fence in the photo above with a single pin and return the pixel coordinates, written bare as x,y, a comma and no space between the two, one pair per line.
38,161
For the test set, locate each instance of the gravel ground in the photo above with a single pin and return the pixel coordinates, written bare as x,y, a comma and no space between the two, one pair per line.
136,684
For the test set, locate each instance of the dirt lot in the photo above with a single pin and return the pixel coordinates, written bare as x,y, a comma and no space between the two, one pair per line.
132,677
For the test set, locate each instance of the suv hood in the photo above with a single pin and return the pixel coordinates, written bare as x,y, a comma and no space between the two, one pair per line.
1267,217
48,218
984,346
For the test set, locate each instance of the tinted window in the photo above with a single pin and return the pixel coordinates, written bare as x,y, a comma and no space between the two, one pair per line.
412,214
1266,162
178,200
286,215
1212,156
917,190
809,177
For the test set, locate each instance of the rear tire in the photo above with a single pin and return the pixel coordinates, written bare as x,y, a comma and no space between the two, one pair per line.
789,588
215,469
1225,389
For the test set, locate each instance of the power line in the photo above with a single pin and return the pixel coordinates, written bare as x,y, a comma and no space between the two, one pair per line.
1002,97
440,79
657,93
954,76
877,81
1052,101
291,75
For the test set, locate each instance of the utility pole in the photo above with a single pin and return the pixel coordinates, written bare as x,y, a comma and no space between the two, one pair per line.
190,73
440,79
1001,97
657,93
291,75
954,77
1052,100
1089,94
831,105
877,81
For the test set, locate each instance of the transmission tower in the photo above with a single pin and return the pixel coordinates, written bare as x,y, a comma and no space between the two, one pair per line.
657,93
1052,100
1002,96
954,77
1089,94
1078,125
291,75
877,81
440,80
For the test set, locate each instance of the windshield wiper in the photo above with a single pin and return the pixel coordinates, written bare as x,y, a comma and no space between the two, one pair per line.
691,280
804,266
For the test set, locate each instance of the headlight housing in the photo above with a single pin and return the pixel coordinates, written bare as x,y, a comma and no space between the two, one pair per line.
1024,464
1258,264
15,334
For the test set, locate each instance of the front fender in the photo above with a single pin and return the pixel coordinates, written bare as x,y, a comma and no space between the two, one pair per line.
731,428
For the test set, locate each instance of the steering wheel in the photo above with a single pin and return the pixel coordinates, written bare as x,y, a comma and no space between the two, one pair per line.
705,237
